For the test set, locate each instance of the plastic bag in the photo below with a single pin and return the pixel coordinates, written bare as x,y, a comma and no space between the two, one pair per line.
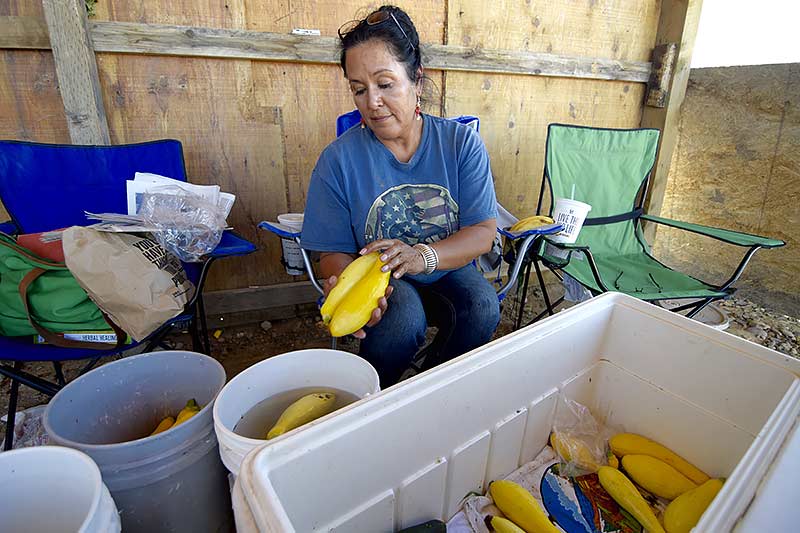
580,441
28,428
187,224
574,291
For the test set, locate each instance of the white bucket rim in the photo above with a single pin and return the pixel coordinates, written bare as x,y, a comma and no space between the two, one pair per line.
219,426
94,471
65,442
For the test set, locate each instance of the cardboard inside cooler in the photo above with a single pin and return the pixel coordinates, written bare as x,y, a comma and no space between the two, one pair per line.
413,452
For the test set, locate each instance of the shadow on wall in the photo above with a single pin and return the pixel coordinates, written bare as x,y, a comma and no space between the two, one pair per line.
737,166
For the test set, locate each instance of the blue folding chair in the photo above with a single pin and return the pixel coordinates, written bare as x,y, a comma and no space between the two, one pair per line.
438,313
47,186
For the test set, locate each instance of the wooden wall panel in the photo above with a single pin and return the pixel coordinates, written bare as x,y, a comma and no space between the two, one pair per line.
267,15
30,104
229,138
515,110
617,29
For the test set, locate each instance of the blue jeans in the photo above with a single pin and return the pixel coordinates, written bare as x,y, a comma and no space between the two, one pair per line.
390,346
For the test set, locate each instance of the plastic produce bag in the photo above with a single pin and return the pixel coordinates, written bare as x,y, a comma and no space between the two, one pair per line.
187,224
577,437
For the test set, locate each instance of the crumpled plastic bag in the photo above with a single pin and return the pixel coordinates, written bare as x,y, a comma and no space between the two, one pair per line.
28,428
187,224
578,438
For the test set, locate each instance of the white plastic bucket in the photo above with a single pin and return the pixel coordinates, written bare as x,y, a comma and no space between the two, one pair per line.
571,214
53,489
286,372
292,255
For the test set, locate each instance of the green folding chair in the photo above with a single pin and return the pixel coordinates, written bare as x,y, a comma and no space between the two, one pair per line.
610,169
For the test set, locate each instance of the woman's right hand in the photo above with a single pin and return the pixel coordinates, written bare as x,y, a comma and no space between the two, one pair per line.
377,314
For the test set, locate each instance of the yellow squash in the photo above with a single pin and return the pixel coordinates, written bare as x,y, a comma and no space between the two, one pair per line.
656,476
574,450
308,408
187,412
351,275
685,511
630,443
356,306
613,462
502,525
521,507
530,223
628,497
163,426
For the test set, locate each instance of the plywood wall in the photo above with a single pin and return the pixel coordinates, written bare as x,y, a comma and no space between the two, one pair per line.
257,127
737,166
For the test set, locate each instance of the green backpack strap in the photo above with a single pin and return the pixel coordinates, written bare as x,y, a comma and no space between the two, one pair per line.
51,337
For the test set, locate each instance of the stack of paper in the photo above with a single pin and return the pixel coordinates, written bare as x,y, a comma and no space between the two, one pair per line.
145,182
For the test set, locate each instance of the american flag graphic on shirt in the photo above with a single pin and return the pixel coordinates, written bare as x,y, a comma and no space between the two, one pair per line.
412,214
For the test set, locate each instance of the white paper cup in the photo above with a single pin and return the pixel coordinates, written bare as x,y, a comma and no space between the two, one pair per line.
292,256
571,214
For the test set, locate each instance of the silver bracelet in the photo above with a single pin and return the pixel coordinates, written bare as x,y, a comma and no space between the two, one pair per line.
429,256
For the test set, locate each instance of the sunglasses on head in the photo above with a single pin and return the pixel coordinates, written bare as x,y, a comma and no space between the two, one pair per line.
373,19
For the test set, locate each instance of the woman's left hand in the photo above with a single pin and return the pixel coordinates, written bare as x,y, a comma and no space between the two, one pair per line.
399,257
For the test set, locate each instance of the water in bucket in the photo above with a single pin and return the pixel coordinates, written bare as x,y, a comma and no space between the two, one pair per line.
255,423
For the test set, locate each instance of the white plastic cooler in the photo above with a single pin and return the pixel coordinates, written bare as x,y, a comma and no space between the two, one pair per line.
412,452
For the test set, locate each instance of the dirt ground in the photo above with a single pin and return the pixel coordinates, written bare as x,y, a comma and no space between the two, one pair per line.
240,347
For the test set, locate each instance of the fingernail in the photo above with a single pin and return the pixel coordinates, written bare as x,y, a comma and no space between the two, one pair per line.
363,250
383,257
384,268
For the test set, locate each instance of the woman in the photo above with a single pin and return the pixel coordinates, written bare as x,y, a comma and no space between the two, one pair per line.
416,187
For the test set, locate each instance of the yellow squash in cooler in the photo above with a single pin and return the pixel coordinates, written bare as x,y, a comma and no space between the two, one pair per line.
624,444
685,511
656,476
628,497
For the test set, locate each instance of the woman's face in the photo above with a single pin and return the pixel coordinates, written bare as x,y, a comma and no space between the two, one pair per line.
382,90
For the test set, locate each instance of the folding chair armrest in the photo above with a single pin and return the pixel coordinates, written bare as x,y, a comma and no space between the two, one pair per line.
232,245
728,236
571,248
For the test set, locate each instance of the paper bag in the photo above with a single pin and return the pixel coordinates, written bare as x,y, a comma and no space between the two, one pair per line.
132,279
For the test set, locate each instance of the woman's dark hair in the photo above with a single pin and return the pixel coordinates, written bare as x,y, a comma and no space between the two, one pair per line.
401,37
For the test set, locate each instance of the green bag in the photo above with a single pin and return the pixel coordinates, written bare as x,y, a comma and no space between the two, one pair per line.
40,296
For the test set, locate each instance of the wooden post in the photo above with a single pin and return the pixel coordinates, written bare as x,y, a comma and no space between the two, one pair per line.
76,68
678,23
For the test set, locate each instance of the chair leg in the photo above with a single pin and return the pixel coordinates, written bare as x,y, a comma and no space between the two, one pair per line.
545,312
59,373
550,308
194,330
700,307
526,274
201,312
12,410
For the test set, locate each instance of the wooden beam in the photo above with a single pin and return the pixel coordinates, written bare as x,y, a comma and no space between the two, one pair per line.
678,24
259,298
76,68
161,39
463,58
24,32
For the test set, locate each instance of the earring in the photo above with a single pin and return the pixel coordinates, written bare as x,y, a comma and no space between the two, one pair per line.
363,124
418,111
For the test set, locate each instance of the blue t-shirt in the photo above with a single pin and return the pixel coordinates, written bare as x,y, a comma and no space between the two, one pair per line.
360,192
